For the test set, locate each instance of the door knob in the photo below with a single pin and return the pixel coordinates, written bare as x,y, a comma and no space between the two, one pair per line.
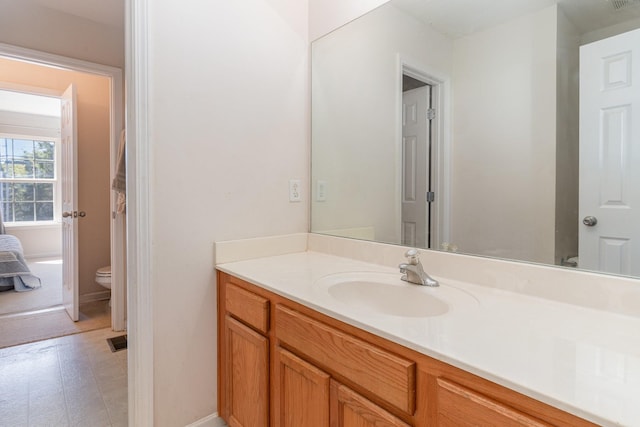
74,214
590,221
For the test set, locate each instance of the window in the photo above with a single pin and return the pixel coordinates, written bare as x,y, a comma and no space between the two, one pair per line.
27,179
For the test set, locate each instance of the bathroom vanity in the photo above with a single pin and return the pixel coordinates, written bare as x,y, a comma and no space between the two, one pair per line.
298,348
284,364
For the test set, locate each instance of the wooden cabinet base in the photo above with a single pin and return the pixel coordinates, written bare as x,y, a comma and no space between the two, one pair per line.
300,368
247,389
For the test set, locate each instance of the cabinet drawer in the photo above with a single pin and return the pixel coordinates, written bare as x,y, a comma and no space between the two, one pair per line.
460,406
381,373
248,307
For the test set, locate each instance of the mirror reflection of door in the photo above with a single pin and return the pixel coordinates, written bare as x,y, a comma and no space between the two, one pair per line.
417,115
609,237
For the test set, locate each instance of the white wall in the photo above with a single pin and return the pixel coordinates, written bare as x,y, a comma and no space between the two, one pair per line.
42,241
229,126
610,31
17,123
28,24
503,153
327,15
359,154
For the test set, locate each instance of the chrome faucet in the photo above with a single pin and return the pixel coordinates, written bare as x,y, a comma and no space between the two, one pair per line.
413,272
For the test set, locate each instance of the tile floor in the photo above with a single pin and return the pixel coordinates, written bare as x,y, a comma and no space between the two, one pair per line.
69,381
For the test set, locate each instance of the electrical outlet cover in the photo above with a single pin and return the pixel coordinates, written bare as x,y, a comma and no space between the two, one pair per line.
321,191
295,190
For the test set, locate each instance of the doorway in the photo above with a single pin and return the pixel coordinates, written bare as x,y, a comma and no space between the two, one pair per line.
113,233
417,192
423,172
30,197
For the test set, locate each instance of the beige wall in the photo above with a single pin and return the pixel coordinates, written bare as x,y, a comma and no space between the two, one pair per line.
93,157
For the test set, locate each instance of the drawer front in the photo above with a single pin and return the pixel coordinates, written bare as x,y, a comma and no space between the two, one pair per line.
461,407
247,307
383,374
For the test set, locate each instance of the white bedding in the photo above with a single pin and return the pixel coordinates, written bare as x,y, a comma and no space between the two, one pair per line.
14,272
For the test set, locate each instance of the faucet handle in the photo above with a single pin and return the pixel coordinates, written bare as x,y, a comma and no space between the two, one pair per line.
412,256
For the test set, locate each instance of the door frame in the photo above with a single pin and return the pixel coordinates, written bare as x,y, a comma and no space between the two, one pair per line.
118,241
441,140
139,216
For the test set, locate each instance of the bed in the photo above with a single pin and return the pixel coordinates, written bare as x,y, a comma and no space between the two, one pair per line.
14,272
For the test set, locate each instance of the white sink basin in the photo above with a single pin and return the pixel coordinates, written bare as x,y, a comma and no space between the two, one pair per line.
386,293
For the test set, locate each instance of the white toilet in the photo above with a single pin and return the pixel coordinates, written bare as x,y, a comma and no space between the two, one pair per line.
103,278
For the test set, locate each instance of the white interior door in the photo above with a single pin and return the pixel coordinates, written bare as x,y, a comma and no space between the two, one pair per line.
610,155
69,198
415,166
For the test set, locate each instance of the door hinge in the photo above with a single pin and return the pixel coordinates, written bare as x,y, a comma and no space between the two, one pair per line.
431,197
431,113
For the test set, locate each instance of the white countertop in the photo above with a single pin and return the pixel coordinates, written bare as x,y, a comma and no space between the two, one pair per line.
581,360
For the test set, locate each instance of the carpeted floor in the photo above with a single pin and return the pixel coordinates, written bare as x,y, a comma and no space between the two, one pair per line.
50,323
50,294
37,315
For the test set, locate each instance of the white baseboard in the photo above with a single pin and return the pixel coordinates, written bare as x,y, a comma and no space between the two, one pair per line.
41,255
212,420
95,296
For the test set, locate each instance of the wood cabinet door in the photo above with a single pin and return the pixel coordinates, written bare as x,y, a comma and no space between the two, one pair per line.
349,409
300,392
247,379
462,407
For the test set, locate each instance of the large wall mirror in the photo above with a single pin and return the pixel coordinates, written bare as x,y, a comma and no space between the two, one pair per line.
499,128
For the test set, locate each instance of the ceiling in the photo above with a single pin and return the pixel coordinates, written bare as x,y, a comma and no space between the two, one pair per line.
458,18
453,17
